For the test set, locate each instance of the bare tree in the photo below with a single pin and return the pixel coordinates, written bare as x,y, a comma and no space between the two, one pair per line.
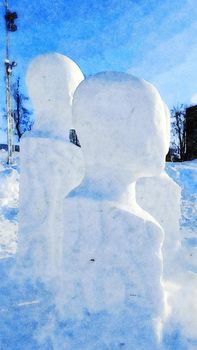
21,115
10,26
178,122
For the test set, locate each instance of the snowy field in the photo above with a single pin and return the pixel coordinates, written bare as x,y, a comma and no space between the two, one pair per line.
181,325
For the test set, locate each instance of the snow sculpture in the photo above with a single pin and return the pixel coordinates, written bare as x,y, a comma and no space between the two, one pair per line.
50,165
111,288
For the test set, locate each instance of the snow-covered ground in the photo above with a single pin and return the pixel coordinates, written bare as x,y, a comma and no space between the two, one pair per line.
181,293
9,195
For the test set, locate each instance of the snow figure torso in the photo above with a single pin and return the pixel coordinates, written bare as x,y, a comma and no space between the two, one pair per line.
53,168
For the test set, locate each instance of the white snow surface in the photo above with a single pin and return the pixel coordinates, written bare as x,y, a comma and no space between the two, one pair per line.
9,189
182,316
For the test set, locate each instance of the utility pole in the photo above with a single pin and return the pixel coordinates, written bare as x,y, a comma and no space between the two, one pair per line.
10,26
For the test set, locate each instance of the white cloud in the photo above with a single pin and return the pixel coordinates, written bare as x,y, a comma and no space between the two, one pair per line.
171,66
194,99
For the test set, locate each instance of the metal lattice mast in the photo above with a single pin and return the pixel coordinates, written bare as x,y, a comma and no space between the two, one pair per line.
9,27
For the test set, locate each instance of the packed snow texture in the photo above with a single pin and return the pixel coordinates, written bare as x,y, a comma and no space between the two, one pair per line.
15,334
111,245
50,165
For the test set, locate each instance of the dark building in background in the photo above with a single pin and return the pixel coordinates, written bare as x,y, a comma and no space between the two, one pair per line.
191,133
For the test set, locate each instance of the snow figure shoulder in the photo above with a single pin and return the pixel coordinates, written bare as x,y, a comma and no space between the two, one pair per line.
161,197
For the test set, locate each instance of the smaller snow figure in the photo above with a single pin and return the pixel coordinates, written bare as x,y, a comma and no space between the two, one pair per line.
111,282
50,165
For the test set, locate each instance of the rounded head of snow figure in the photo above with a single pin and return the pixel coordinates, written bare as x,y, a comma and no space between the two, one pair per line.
51,80
122,124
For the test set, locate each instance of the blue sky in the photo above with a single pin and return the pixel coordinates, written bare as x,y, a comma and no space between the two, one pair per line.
153,39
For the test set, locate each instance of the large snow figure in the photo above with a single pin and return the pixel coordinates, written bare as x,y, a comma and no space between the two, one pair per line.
113,262
50,165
